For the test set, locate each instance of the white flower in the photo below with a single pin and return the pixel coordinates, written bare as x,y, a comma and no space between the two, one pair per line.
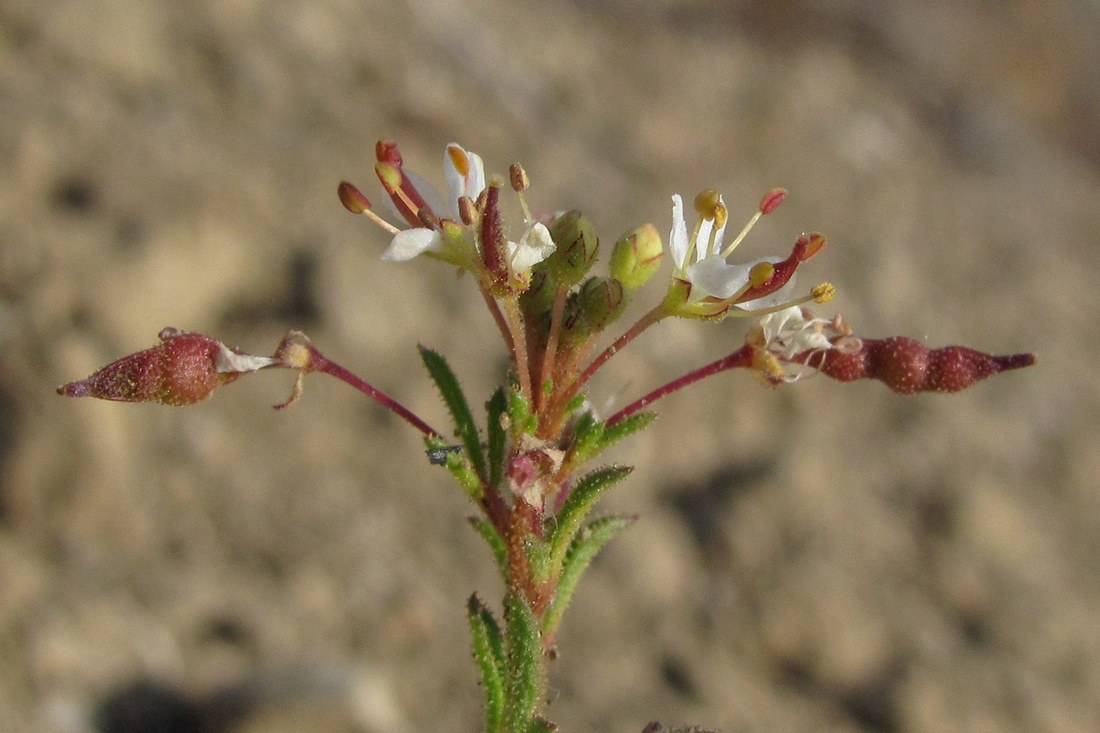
700,260
792,331
464,174
533,247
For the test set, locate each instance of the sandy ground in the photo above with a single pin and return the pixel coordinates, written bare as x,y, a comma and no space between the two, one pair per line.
822,557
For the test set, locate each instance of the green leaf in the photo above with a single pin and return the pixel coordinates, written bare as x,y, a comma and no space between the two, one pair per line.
590,444
538,555
577,506
587,432
489,656
456,403
496,435
523,657
626,427
489,533
584,547
519,413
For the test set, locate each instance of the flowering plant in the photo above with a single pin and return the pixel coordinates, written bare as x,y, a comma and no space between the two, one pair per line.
525,468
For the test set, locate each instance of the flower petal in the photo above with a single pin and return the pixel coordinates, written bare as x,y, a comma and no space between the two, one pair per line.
715,277
534,246
412,242
465,176
678,238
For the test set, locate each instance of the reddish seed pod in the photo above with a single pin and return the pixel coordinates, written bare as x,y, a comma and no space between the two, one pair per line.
906,366
182,370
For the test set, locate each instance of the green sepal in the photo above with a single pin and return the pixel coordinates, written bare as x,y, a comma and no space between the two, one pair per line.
577,506
459,466
488,645
451,391
523,659
495,435
496,544
584,547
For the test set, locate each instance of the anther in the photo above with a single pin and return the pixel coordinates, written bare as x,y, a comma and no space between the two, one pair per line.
706,203
823,292
772,199
518,177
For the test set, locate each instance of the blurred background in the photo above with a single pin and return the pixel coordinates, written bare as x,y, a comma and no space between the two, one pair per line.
821,557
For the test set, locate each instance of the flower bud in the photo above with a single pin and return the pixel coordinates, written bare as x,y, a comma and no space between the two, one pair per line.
184,369
577,246
601,301
906,366
636,257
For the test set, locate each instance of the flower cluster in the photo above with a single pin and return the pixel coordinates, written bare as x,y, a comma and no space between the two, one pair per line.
523,466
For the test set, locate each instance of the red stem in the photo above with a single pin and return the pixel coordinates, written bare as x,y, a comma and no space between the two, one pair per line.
320,363
632,333
740,358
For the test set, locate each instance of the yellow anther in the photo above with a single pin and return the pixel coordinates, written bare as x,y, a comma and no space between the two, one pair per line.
706,203
721,214
823,293
761,273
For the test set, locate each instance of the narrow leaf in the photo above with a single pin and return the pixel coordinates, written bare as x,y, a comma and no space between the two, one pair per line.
587,432
489,533
523,656
495,435
519,413
489,656
455,400
626,427
587,543
577,506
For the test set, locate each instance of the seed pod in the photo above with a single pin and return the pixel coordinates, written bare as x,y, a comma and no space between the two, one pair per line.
183,369
906,366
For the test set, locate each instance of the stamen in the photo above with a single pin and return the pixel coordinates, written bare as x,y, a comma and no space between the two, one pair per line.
518,178
741,236
771,201
721,215
355,202
823,292
706,202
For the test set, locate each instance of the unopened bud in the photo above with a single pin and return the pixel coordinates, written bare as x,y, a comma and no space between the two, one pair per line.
636,257
577,247
602,301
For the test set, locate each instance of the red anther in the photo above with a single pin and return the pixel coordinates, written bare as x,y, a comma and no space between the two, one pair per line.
352,198
772,199
404,194
906,366
182,370
386,152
